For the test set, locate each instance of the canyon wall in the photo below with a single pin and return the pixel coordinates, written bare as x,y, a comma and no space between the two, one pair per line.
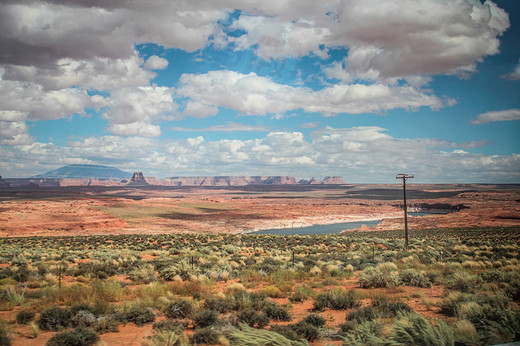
139,180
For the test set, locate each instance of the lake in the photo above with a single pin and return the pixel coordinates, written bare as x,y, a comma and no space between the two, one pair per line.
331,228
319,229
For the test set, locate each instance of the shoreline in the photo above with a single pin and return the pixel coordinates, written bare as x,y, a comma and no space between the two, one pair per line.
317,221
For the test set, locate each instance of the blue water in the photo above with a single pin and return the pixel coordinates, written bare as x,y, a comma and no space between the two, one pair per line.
319,229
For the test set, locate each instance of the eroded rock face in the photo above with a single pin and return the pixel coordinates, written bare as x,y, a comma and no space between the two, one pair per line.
138,179
335,180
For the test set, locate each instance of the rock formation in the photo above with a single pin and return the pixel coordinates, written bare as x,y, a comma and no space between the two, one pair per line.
335,180
137,180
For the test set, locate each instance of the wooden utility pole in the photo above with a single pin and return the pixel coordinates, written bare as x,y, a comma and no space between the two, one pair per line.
404,177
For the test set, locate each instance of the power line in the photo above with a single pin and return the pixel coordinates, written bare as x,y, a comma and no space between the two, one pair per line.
404,176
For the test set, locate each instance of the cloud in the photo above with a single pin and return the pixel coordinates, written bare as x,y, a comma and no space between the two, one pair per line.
136,110
359,154
385,39
489,117
156,63
97,73
515,75
255,95
230,126
30,99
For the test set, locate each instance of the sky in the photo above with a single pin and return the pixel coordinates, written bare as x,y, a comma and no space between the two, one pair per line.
363,89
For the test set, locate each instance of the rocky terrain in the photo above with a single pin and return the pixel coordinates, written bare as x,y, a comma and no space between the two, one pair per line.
172,181
155,209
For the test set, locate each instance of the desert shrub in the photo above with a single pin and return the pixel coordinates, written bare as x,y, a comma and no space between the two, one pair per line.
205,318
110,290
181,308
83,318
182,268
206,335
169,338
271,291
248,300
54,318
387,308
170,325
412,277
106,324
366,333
25,316
302,293
4,336
306,330
464,332
413,329
143,274
220,304
253,318
76,337
495,324
337,299
463,282
372,277
277,312
139,315
247,336
368,313
315,320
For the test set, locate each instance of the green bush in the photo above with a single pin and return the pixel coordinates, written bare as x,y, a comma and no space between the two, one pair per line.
366,333
315,320
170,325
463,282
412,277
387,308
76,337
306,330
277,312
143,274
337,299
181,308
206,335
25,316
412,329
220,304
4,337
169,338
139,315
247,336
301,293
55,318
368,313
373,277
205,318
253,318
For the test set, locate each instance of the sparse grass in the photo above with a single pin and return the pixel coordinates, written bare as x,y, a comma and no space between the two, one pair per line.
213,282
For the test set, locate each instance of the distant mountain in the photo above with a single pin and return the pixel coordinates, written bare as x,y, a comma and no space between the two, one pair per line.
85,172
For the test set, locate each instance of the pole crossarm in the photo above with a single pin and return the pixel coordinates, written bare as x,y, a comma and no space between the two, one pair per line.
404,177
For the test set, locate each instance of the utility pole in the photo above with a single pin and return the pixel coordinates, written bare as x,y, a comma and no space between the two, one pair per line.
404,177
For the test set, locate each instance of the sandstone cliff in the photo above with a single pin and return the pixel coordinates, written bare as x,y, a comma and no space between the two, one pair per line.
138,179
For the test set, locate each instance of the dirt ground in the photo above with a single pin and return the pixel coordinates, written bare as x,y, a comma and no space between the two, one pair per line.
170,210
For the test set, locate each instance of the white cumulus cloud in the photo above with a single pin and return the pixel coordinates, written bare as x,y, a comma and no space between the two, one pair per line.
489,117
255,95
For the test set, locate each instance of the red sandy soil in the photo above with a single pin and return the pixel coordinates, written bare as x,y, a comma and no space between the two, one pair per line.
132,335
228,211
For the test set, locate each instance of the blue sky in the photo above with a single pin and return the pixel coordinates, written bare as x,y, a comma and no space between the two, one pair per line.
363,89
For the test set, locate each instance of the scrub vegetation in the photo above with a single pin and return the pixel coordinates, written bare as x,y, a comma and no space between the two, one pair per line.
451,286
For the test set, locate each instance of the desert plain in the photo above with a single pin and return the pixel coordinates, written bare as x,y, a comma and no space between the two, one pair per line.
124,263
155,209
